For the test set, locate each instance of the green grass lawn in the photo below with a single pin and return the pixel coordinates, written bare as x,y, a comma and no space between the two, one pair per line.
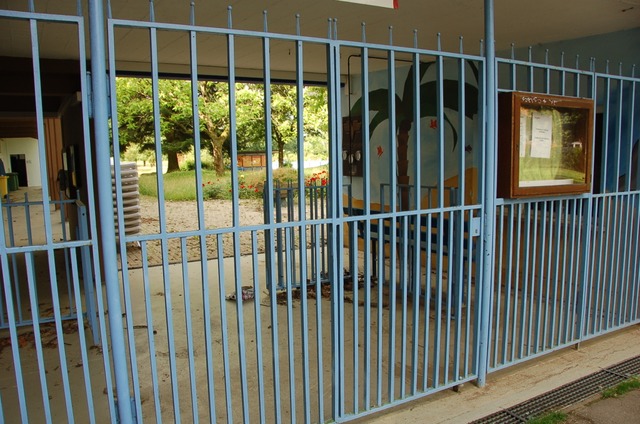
181,185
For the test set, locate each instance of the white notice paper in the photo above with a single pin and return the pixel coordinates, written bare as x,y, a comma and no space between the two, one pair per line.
523,134
541,129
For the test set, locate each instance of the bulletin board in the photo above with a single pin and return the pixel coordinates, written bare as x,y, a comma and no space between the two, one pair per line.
544,145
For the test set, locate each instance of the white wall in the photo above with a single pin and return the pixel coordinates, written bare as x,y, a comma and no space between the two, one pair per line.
27,147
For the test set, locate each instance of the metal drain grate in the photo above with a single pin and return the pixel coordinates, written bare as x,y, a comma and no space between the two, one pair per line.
566,395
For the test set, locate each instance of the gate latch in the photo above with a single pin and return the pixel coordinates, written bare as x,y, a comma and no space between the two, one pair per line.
475,226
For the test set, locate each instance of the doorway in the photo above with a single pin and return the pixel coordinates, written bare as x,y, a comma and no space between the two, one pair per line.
19,166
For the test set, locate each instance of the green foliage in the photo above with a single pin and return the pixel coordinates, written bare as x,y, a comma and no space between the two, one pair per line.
136,126
180,185
190,165
549,418
215,189
622,388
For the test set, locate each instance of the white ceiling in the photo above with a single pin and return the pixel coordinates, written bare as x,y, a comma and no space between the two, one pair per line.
521,22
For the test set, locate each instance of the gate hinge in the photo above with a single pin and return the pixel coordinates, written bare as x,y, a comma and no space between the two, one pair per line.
90,96
134,415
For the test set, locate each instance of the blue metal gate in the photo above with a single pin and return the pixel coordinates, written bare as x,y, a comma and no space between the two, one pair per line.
52,315
375,301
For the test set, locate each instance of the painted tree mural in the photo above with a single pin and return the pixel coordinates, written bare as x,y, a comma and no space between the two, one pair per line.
380,106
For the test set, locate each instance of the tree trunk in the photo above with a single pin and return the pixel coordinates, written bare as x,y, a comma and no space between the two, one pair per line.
403,164
173,165
280,144
218,158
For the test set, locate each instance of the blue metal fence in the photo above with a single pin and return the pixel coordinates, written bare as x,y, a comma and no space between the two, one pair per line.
383,286
566,268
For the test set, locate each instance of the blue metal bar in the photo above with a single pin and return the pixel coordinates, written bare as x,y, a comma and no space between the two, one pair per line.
125,279
47,218
150,331
236,221
564,279
563,76
548,307
14,263
636,268
590,273
605,134
290,336
508,284
153,37
600,265
489,210
258,324
319,335
576,93
81,337
302,210
623,276
513,67
366,197
353,272
404,256
27,219
571,318
335,238
38,340
416,270
204,268
530,79
538,222
224,329
609,258
514,325
13,336
107,228
39,110
67,274
459,226
525,283
427,319
97,275
189,327
547,77
450,294
556,271
497,302
393,134
55,299
269,234
631,107
87,274
468,350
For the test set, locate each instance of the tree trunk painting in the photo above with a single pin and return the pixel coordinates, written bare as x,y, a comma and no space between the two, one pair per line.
381,104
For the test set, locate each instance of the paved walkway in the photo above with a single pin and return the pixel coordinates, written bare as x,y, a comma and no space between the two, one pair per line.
623,409
519,383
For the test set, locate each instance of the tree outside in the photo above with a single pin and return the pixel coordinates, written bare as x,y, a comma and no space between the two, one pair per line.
136,128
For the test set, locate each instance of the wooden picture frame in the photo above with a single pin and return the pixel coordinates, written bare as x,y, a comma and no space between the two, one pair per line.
545,145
